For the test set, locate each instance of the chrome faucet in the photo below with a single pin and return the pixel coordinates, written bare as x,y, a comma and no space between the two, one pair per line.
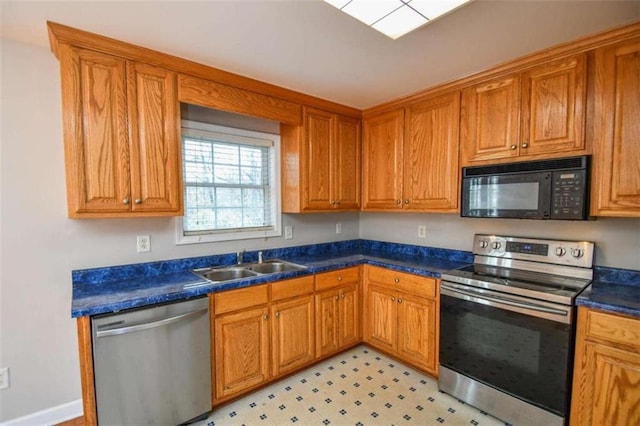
260,259
240,257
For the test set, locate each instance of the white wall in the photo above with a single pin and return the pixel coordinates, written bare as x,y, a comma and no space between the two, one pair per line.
40,245
617,240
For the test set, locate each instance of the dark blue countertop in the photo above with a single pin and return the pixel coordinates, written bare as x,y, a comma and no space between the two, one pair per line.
112,289
613,290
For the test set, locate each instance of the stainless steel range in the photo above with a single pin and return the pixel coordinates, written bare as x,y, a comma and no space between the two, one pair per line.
507,327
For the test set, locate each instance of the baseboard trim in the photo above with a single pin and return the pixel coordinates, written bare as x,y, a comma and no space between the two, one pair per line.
50,416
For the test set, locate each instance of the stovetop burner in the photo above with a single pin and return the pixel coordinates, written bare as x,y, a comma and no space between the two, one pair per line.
555,271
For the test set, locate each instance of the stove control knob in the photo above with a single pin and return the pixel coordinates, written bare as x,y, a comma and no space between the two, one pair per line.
577,253
484,243
560,251
496,245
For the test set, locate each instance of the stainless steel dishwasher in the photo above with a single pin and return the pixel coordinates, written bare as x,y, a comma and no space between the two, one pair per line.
153,365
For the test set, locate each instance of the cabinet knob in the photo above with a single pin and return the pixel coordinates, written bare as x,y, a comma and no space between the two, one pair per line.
399,300
524,145
265,317
333,202
398,201
338,202
138,201
277,314
340,278
125,201
396,280
514,146
337,297
393,299
406,201
342,296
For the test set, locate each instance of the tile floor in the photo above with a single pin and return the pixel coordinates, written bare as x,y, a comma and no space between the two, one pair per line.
358,387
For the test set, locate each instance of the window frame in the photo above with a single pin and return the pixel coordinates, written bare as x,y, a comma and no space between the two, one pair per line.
235,234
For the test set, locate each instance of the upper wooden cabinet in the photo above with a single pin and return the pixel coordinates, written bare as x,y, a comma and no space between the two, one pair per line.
122,141
411,157
616,130
321,163
533,114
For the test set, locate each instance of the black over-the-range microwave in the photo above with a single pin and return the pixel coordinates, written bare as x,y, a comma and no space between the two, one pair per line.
545,189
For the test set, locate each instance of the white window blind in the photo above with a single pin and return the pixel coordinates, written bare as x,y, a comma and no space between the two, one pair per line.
229,181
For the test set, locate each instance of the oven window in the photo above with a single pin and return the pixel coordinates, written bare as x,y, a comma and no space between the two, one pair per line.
525,356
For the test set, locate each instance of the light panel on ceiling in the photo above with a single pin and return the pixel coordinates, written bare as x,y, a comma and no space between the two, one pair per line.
395,18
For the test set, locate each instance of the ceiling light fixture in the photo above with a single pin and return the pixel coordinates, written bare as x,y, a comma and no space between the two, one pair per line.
395,18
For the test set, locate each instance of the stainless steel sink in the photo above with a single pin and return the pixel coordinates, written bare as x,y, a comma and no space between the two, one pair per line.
235,272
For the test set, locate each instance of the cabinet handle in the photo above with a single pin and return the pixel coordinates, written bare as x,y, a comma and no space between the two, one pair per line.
337,297
399,300
125,201
398,201
333,202
138,201
524,145
514,146
338,202
406,201
396,280
342,296
277,314
340,278
265,317
393,299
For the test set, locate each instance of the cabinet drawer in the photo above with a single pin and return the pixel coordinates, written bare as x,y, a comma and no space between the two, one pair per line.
291,288
401,281
234,300
332,279
613,328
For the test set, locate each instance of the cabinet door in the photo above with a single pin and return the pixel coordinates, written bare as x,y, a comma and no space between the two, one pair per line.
293,337
318,159
242,352
327,319
616,186
95,132
346,161
553,107
417,331
349,315
431,154
380,321
490,120
382,158
155,139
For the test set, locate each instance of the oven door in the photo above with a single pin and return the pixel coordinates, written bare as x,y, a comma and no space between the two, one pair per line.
518,195
517,345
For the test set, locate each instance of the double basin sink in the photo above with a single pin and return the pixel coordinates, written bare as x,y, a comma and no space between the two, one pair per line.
246,270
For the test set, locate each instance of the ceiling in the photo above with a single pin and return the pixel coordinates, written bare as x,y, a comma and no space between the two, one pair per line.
312,47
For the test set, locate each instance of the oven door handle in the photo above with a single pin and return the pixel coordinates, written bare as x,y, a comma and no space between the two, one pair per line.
485,299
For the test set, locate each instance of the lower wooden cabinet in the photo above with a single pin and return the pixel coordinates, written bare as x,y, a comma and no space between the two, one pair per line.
606,378
401,316
292,334
241,352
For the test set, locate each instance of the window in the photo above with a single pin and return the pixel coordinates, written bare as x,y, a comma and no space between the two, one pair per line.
231,184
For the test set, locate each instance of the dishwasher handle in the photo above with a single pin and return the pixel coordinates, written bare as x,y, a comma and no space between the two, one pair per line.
148,325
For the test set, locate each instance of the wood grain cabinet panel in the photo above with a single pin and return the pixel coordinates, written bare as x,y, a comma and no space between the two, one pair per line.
606,376
382,161
616,162
337,319
321,163
292,334
122,143
537,113
401,316
241,352
411,157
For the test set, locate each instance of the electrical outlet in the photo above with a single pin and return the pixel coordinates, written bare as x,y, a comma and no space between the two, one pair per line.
288,232
422,231
144,243
4,378
338,228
